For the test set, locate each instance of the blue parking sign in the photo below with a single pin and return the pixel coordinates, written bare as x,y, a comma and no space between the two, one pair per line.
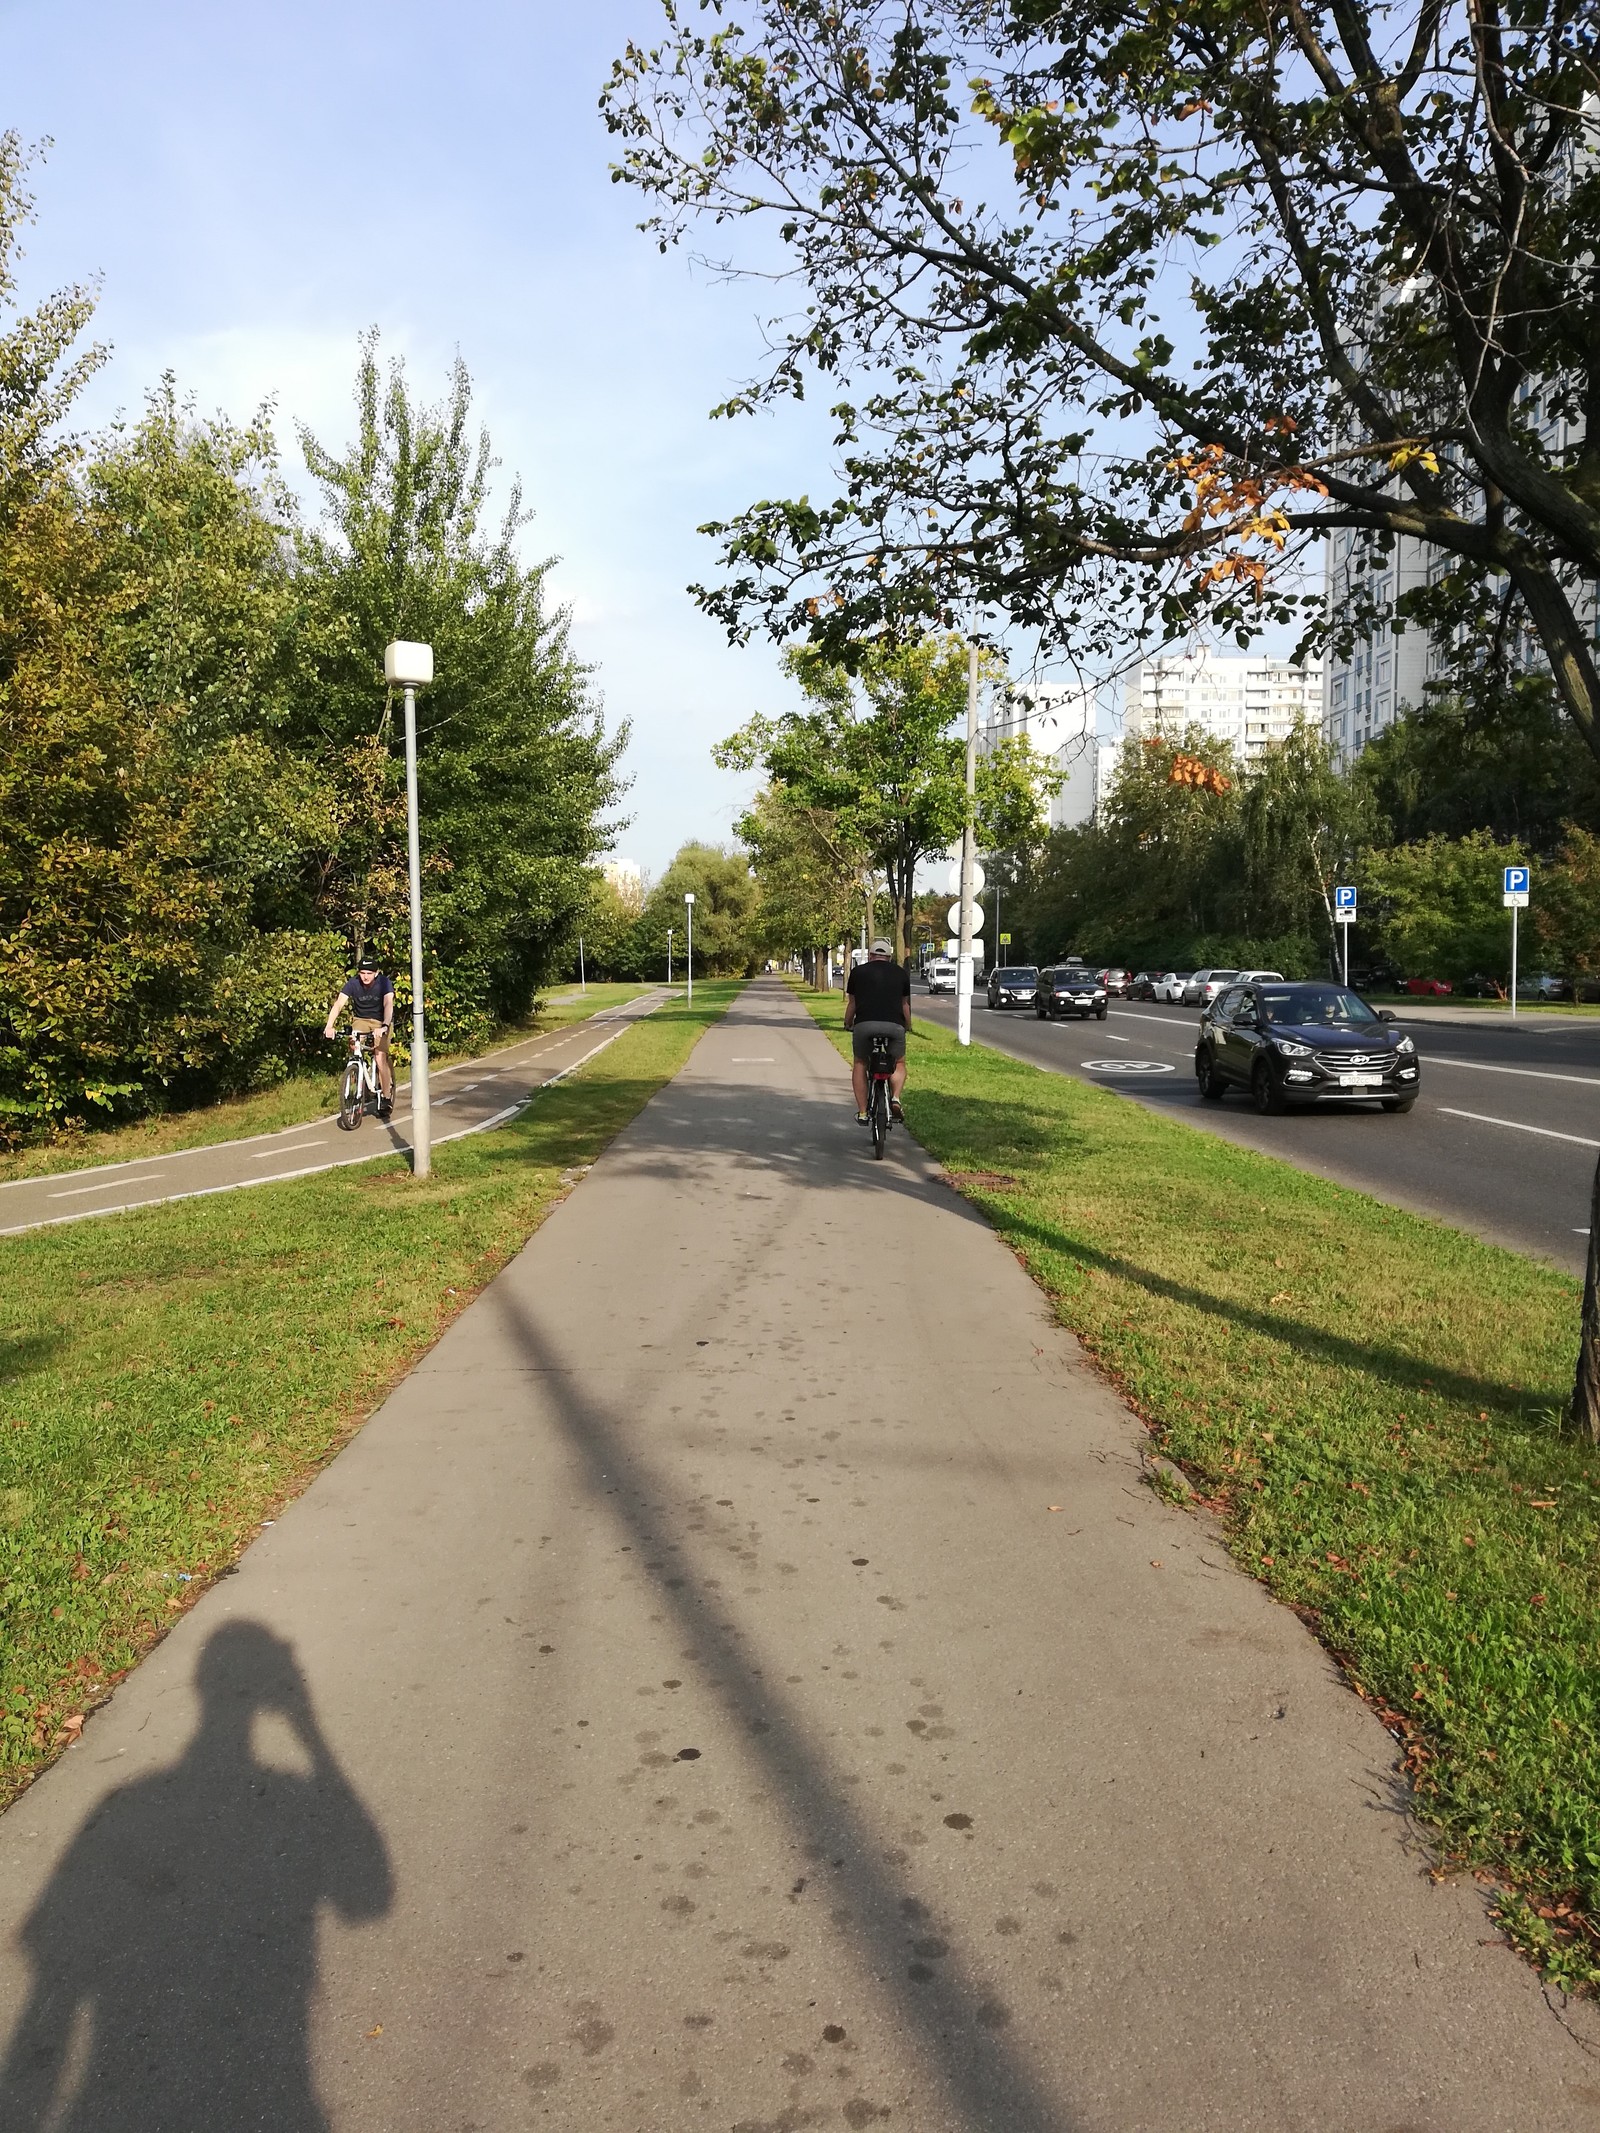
1344,905
1516,881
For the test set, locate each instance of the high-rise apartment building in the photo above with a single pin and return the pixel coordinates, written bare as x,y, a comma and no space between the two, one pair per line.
1250,700
1061,721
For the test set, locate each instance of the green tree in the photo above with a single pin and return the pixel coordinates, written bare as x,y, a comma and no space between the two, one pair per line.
1441,905
880,756
808,877
516,772
1563,920
1498,757
1297,819
725,913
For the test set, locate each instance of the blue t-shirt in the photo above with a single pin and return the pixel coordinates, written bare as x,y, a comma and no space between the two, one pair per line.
368,996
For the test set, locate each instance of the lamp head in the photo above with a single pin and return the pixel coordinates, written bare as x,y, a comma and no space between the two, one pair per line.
407,666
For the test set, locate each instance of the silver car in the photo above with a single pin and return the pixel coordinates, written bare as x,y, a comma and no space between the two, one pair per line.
1204,986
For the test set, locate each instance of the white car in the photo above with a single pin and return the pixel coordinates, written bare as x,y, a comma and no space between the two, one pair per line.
941,975
1170,987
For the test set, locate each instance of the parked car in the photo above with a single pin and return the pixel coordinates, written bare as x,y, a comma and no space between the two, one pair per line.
1069,989
1013,985
941,975
1116,983
1292,1045
1429,985
1169,986
1261,977
1204,986
1143,986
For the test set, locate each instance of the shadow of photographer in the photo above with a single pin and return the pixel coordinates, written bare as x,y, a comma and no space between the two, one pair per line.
174,1952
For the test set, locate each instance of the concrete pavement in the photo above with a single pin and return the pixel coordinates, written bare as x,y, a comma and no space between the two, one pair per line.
739,1681
468,1096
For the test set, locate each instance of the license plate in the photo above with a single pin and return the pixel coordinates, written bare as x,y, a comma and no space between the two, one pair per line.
1361,1081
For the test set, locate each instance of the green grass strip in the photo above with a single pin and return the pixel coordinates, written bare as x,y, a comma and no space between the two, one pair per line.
1371,1400
170,1377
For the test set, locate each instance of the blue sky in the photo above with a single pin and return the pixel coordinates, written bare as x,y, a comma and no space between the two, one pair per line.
255,187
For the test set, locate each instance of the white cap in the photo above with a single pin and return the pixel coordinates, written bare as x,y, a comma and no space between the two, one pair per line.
881,948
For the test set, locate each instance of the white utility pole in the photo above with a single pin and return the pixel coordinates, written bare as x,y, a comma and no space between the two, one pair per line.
582,987
968,839
669,955
688,941
410,667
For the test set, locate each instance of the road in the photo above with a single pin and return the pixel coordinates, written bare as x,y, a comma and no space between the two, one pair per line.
1502,1142
469,1096
711,1693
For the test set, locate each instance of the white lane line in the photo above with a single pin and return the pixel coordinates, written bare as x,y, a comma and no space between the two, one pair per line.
294,1148
754,1059
312,1170
1545,1132
1110,1039
1482,1066
77,1192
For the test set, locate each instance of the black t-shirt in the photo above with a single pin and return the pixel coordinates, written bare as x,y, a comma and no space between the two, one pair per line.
367,997
878,989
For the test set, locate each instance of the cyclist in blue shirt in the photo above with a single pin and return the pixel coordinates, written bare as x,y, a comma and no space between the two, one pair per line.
368,992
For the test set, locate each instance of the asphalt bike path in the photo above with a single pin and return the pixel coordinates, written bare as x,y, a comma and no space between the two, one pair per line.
739,1680
468,1096
1502,1142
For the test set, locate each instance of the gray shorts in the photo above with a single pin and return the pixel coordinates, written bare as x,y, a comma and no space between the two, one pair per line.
862,1034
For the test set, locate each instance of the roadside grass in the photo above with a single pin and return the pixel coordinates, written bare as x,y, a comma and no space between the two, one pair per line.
1370,1401
170,1377
290,1103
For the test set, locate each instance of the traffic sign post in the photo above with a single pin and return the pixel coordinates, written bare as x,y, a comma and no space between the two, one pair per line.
1515,899
1344,914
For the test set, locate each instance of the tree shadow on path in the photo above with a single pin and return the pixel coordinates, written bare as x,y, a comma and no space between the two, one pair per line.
174,1951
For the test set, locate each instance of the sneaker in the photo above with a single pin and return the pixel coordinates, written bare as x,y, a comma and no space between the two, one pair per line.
895,1111
386,1110
861,1118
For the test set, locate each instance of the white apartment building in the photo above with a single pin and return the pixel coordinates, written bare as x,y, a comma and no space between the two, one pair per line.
1061,721
627,879
1247,699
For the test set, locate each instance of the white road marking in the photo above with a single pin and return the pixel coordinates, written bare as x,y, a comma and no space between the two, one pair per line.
1545,1132
1125,1066
77,1191
754,1059
1117,1040
1482,1066
293,1148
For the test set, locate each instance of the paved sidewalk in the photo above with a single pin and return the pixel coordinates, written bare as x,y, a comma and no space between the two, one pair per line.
686,1706
468,1096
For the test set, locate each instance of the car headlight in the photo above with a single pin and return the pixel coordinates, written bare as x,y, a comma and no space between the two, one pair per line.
1291,1051
1405,1047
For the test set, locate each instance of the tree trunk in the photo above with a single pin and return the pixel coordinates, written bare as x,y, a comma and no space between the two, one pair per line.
1586,1384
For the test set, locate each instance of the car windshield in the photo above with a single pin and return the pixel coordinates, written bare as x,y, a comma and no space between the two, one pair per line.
1020,975
1328,1004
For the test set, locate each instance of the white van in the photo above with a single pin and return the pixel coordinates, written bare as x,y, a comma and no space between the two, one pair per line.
941,975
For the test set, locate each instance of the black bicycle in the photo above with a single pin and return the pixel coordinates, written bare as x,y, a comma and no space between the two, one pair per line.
880,1071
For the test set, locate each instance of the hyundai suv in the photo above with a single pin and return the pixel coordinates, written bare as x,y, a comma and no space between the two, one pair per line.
1299,1044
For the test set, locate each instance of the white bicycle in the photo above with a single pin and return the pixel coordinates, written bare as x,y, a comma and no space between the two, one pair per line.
362,1091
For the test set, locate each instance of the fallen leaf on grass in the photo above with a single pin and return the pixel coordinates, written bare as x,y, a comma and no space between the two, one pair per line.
1282,1297
72,1726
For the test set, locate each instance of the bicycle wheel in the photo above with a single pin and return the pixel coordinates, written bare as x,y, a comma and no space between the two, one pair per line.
352,1098
880,1118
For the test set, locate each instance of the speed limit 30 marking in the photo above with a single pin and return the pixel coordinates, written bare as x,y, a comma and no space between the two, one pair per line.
1126,1066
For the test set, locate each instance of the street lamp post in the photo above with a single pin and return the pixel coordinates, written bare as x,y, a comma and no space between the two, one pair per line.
688,941
669,954
968,855
410,667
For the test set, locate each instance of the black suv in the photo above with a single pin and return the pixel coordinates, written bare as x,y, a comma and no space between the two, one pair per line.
1069,989
1013,985
1296,1044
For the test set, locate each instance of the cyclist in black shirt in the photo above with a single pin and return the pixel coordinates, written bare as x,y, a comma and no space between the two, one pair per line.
369,994
878,1004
